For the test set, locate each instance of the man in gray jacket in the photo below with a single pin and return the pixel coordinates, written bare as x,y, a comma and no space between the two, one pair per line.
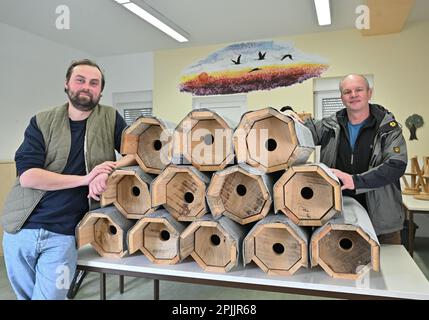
364,145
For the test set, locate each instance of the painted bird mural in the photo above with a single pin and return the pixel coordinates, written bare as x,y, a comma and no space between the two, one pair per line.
250,66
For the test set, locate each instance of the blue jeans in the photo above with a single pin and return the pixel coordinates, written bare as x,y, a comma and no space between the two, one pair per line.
40,264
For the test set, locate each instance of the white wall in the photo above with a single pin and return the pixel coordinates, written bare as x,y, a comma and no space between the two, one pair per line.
32,74
125,73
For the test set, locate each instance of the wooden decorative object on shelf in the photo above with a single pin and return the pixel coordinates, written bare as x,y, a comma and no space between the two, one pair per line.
150,139
309,195
214,244
416,179
128,190
241,193
424,179
271,141
277,245
204,139
182,191
105,229
346,246
157,236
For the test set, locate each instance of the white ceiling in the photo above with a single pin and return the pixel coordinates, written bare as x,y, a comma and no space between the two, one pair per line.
104,28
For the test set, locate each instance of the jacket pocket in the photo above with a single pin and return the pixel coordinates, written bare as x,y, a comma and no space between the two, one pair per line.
385,209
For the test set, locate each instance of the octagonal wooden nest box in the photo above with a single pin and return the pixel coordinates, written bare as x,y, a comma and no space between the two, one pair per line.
309,195
128,190
204,139
277,245
181,190
241,193
214,244
271,141
157,236
347,246
150,139
105,229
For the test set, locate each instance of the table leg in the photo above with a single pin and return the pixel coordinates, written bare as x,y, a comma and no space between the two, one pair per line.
155,289
121,284
411,232
102,286
76,282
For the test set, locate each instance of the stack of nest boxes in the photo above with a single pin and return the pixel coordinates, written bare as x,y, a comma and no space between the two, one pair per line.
219,185
202,145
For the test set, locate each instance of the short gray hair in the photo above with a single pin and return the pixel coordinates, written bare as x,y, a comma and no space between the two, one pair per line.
357,75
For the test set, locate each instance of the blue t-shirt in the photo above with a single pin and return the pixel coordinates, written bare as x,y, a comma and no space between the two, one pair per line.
59,211
354,132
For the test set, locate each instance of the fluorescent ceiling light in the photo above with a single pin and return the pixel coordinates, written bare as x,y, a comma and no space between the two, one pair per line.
152,20
323,12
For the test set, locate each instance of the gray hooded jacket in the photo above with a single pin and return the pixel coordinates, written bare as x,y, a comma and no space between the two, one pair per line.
384,202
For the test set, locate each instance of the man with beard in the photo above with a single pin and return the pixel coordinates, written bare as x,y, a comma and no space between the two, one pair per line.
64,161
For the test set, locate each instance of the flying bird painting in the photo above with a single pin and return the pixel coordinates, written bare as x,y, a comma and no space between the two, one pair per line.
287,56
250,66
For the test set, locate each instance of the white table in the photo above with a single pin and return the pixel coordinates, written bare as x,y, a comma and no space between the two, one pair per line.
399,277
413,206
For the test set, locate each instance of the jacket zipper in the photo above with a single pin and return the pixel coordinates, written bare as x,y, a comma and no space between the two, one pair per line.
85,153
337,141
374,155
